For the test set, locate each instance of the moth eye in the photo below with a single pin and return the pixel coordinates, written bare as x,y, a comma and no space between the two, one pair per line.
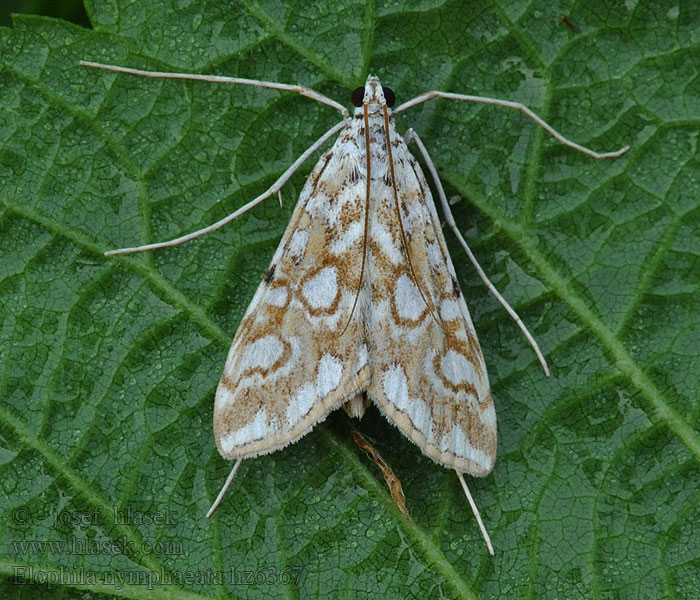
389,96
358,96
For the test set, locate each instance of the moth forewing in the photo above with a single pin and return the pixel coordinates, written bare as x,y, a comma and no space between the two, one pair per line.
428,371
288,365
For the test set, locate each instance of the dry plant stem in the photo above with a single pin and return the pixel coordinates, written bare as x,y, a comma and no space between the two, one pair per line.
392,481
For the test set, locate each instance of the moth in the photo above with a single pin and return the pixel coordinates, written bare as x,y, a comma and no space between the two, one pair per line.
361,301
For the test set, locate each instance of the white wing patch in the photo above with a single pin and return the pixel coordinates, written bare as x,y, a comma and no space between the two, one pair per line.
264,352
407,299
321,290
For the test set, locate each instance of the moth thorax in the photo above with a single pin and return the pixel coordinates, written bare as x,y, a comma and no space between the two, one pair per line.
356,406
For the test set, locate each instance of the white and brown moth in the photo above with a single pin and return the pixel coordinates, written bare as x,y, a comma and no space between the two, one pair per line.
360,302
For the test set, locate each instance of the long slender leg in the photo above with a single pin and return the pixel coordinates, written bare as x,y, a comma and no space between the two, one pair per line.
508,104
271,190
412,135
229,479
475,510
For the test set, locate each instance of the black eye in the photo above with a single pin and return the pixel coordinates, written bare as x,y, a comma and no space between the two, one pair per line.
389,96
358,96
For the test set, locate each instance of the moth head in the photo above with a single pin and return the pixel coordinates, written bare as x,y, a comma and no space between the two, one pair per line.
372,95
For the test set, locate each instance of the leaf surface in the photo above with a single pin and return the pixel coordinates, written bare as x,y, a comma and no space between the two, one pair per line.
108,366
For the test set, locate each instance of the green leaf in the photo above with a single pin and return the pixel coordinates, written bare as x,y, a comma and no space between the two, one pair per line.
108,366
